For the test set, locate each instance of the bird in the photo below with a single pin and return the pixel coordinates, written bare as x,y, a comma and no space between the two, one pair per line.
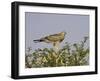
55,39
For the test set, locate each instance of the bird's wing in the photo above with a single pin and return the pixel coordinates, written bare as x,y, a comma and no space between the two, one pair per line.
54,37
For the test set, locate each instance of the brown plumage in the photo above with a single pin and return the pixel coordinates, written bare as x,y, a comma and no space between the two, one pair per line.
55,39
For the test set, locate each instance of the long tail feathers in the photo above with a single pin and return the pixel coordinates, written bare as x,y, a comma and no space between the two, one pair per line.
39,40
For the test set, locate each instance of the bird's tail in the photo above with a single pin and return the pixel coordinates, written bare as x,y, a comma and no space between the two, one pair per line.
38,40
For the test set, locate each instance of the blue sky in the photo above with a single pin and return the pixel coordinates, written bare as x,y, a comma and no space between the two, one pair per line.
38,25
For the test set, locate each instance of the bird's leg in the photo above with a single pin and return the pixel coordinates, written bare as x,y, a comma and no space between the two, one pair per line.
56,46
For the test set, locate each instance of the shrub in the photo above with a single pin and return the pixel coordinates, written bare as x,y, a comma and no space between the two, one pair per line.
69,55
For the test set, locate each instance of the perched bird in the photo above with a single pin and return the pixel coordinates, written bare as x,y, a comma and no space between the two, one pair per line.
55,39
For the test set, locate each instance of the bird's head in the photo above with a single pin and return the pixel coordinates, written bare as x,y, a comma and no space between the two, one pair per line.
63,33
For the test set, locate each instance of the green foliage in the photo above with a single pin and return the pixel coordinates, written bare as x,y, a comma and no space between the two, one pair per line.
69,55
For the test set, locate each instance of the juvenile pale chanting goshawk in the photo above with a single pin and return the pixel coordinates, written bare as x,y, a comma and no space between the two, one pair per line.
55,39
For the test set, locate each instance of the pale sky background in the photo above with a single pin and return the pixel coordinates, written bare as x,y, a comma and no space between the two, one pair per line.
38,25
